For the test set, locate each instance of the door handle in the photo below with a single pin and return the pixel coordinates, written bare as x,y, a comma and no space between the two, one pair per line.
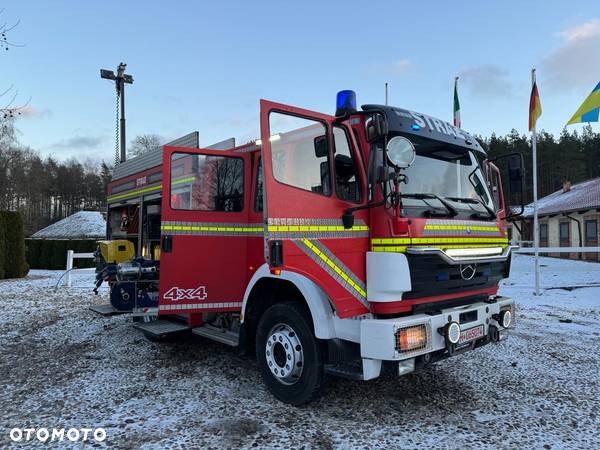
167,244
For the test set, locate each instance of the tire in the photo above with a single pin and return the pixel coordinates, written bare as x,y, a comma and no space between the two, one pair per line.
289,356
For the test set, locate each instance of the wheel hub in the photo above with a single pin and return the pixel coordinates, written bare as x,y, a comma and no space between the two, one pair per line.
284,354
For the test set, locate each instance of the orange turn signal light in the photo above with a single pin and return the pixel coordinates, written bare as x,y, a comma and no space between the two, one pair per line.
411,338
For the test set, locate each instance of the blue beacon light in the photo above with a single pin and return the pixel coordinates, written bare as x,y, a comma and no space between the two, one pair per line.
415,127
345,103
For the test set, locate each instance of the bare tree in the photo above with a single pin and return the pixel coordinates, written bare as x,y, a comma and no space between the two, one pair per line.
8,98
5,29
144,143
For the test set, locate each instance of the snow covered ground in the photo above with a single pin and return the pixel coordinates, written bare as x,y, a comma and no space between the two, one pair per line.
63,366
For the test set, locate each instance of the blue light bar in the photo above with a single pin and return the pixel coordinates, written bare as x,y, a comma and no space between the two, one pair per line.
346,103
415,126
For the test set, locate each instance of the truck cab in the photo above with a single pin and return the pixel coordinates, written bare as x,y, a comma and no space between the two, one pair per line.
338,245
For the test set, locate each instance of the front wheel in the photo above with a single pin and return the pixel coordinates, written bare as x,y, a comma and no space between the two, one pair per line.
289,356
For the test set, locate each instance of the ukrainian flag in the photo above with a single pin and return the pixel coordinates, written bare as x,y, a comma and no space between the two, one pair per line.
588,111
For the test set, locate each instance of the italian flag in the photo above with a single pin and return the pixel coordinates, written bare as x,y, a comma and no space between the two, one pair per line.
456,105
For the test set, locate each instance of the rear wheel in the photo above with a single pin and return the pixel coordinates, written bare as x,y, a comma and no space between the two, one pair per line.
289,356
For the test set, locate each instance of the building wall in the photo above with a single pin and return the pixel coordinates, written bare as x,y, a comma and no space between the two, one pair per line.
554,233
553,224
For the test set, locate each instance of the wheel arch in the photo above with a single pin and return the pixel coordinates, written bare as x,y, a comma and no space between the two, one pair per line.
292,284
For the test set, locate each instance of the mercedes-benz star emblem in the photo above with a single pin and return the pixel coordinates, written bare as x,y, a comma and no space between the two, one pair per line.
467,271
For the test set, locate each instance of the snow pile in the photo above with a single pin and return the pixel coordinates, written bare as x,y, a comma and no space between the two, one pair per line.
81,225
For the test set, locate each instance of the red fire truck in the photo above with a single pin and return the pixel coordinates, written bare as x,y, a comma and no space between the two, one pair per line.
333,245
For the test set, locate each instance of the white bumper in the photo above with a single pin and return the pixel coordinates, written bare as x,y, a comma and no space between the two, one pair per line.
378,336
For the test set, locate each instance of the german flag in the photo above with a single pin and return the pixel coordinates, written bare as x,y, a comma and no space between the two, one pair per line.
535,107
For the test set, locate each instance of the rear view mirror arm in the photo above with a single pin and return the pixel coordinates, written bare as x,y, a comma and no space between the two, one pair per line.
348,216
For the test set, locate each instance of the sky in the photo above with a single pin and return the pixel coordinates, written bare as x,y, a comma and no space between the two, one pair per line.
205,65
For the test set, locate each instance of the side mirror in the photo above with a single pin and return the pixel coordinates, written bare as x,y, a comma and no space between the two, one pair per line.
516,180
376,127
515,174
348,219
321,149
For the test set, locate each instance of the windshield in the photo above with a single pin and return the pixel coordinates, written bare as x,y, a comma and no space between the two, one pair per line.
454,178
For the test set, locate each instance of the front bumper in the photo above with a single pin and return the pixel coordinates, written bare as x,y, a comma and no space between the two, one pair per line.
379,337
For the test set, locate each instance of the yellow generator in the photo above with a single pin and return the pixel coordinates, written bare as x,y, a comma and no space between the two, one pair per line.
115,252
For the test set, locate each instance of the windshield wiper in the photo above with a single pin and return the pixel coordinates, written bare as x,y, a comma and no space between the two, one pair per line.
451,210
476,215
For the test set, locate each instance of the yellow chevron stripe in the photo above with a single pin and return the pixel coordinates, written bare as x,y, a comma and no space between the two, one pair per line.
334,267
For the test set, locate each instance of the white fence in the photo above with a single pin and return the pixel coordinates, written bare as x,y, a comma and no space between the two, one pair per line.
71,255
531,250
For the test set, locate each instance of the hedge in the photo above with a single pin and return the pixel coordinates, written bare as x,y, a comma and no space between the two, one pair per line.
13,263
52,253
2,248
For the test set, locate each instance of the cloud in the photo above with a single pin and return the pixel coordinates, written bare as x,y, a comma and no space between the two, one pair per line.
400,66
397,67
34,113
575,65
77,143
486,81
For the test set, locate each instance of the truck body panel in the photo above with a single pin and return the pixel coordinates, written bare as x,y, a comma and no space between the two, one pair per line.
310,213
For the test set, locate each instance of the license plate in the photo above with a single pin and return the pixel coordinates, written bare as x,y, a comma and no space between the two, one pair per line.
471,334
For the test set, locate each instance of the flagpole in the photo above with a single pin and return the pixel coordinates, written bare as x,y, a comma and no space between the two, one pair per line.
536,230
457,124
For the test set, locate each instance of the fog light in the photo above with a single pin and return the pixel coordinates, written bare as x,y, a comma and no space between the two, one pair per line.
411,338
452,332
504,318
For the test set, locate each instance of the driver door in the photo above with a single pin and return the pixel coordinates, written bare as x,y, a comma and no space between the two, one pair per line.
312,174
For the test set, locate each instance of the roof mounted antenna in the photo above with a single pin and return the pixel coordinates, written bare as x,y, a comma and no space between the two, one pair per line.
386,93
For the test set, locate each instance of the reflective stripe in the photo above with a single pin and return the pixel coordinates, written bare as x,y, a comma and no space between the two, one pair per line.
301,228
336,268
148,189
448,227
211,228
460,227
402,249
134,193
316,228
184,306
439,240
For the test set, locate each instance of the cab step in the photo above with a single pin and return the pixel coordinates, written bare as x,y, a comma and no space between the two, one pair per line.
350,370
161,328
107,310
226,337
